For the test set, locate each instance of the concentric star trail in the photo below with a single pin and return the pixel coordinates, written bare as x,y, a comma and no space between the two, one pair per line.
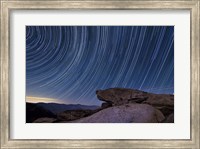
70,63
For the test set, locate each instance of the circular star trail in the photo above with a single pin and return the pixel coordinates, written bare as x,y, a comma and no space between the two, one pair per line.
70,63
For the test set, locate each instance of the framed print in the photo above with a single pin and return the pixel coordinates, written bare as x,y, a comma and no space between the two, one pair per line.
100,74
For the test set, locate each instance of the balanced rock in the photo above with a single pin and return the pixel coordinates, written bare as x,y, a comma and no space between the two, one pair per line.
128,113
120,96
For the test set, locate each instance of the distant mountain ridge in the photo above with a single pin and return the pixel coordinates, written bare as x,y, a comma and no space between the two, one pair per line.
120,105
34,111
57,107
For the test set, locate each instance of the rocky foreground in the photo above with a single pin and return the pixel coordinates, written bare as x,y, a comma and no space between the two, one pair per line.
120,105
128,113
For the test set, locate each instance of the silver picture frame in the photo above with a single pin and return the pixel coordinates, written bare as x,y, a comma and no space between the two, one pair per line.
193,6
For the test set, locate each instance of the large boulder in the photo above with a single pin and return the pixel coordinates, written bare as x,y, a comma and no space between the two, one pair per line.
128,113
120,96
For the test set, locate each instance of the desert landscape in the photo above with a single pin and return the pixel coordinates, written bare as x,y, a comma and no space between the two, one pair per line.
120,105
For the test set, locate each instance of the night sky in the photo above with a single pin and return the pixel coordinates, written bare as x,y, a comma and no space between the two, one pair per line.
70,63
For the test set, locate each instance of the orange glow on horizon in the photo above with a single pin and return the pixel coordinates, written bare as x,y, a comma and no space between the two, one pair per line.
32,99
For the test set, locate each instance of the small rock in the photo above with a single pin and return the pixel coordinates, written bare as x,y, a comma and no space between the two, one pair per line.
44,120
166,110
169,119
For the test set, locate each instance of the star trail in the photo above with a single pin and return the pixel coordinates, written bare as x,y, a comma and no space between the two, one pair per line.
70,63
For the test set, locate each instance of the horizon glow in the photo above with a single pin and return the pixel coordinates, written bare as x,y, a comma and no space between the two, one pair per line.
72,62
